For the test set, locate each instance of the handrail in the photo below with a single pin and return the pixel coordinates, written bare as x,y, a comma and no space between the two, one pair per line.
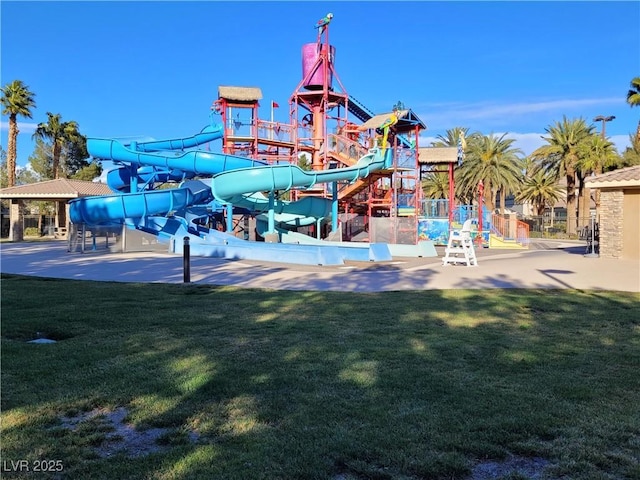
347,147
510,229
359,110
282,132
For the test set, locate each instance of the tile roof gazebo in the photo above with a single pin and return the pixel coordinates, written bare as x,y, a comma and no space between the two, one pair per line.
59,191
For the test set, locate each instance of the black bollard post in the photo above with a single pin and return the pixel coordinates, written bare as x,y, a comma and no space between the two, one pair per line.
186,261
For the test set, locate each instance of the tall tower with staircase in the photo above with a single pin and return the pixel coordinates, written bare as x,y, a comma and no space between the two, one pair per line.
319,109
319,103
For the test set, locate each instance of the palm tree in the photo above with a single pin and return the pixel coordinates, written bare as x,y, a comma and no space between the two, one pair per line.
631,154
541,189
596,154
633,95
493,161
58,133
560,157
16,100
435,186
633,99
452,137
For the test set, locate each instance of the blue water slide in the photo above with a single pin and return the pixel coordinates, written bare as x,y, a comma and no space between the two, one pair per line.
229,184
113,208
233,178
119,177
197,162
208,134
106,209
306,207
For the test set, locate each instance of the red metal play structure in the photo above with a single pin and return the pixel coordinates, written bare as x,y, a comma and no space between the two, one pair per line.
331,129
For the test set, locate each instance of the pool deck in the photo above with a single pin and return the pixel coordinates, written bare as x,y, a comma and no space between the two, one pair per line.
546,265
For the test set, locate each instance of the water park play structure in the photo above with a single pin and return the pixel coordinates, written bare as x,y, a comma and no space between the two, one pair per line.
336,183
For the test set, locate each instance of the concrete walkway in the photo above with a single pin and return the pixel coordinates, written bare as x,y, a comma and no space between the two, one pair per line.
551,265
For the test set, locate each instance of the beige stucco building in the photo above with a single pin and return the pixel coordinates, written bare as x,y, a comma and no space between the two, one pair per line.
619,212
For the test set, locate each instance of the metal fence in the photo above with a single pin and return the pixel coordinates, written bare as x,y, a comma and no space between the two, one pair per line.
547,227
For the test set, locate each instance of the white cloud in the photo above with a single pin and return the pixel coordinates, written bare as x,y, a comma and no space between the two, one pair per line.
442,115
23,127
488,110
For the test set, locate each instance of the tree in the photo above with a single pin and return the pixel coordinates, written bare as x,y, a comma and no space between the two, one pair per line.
71,160
304,161
452,137
631,154
561,155
633,95
540,188
435,185
633,99
61,135
493,161
41,160
89,173
74,156
17,100
4,176
23,175
595,154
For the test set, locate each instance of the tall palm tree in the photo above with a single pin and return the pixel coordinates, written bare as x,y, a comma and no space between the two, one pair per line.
561,155
633,99
16,100
58,133
493,161
596,154
451,138
541,189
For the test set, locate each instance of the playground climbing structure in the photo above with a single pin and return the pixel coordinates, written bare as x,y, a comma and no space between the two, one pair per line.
258,188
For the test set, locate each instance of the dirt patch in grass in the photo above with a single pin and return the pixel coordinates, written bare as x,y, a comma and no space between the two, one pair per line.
116,436
512,467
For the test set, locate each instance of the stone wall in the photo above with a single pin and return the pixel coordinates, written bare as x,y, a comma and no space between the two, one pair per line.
16,215
611,221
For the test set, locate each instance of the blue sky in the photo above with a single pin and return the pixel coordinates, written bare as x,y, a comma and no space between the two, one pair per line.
127,69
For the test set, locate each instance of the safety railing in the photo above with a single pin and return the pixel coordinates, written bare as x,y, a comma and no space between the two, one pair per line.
510,229
345,146
275,131
405,158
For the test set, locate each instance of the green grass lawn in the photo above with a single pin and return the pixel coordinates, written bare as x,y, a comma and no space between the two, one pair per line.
251,384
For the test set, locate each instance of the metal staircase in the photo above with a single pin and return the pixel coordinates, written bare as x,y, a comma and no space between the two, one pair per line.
361,112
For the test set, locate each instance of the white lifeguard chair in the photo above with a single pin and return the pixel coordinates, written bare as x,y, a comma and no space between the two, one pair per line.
460,247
